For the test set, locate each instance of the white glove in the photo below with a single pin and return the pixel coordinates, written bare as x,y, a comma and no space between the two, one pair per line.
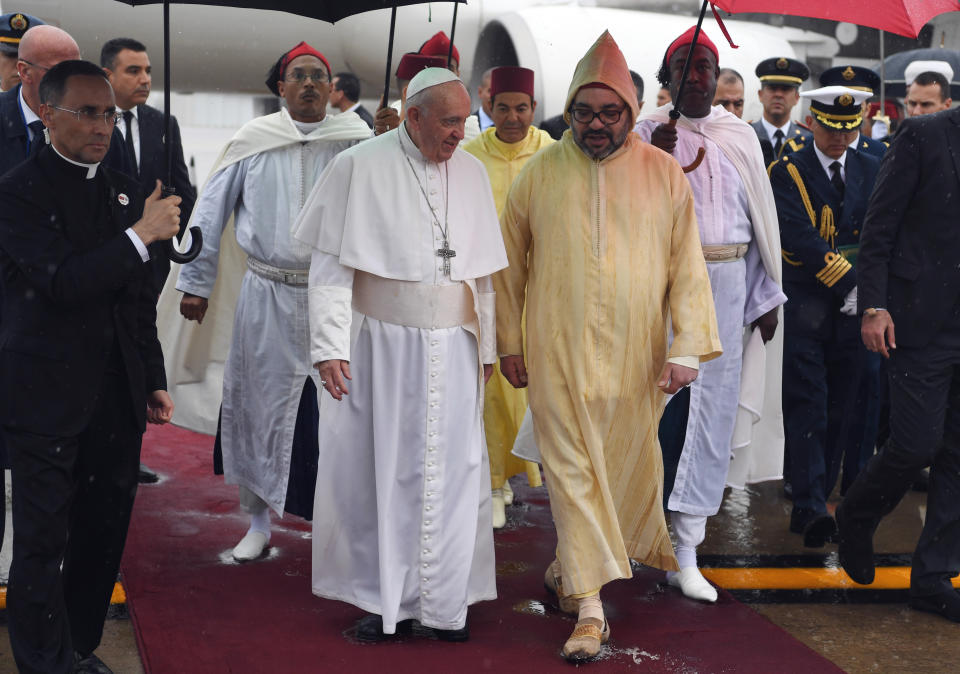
849,307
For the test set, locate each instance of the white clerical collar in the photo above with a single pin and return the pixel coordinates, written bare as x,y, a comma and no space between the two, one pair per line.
406,142
29,116
826,161
772,129
91,168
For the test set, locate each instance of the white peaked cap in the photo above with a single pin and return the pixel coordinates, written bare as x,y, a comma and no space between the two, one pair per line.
430,77
917,67
829,95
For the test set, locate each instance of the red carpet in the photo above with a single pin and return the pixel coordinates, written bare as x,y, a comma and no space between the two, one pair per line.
194,611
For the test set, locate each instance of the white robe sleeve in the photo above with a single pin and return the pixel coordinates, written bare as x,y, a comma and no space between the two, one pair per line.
211,214
330,300
487,301
763,293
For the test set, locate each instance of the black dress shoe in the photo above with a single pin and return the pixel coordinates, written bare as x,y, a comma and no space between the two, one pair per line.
818,531
946,603
801,517
89,664
370,628
460,635
147,476
856,548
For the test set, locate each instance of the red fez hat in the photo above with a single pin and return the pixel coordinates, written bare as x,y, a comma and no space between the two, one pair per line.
889,109
412,63
511,78
279,69
439,45
687,38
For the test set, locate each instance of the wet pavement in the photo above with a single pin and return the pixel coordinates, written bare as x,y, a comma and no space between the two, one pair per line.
861,631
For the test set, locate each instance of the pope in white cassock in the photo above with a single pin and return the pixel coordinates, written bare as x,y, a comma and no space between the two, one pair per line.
729,420
405,237
262,179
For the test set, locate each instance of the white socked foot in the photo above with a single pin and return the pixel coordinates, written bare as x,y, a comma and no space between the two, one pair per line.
507,493
499,509
251,546
693,585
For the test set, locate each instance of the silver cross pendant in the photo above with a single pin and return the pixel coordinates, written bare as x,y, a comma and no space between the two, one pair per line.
446,253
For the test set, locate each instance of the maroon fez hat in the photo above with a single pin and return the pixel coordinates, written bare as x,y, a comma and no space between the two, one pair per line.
511,78
411,64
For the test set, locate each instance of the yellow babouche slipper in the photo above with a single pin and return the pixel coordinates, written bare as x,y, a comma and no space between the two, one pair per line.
553,583
587,638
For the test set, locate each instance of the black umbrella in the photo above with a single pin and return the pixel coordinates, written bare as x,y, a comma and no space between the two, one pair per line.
895,64
325,10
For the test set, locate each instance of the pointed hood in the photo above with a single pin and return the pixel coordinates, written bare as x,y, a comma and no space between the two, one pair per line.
604,65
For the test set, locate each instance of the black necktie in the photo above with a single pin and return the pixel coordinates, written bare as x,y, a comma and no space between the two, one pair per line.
837,178
779,144
128,141
39,139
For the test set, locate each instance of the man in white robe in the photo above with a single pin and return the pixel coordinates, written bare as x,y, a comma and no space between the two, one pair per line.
739,234
402,318
263,177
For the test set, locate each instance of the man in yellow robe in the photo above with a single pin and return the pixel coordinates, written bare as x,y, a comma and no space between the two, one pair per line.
603,246
504,148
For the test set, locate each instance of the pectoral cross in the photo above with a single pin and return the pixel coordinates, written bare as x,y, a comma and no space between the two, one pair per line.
446,253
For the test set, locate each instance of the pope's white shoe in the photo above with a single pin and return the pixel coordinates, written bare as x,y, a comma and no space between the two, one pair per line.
507,493
499,509
693,585
251,546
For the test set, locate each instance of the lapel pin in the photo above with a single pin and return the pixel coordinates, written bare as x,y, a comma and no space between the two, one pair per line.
123,199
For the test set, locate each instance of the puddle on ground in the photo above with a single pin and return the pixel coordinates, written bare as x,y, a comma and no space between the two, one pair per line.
509,568
530,607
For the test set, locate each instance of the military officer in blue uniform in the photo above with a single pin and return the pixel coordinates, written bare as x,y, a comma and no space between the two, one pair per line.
12,28
780,80
821,193
863,79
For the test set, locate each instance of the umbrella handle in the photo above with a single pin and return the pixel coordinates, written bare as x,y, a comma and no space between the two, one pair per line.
196,238
701,153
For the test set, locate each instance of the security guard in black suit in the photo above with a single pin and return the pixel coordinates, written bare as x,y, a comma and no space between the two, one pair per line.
909,298
821,193
780,80
142,156
862,79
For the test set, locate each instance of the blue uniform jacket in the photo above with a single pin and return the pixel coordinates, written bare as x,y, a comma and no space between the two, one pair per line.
819,234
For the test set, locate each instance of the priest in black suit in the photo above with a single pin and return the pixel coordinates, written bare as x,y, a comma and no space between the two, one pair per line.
138,148
909,297
81,369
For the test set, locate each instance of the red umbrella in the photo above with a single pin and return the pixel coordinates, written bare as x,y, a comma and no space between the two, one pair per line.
904,17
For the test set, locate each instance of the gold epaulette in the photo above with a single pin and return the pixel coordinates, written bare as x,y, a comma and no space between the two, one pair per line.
834,269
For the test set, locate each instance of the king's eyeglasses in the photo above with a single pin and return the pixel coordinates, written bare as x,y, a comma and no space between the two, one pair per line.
109,117
608,115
